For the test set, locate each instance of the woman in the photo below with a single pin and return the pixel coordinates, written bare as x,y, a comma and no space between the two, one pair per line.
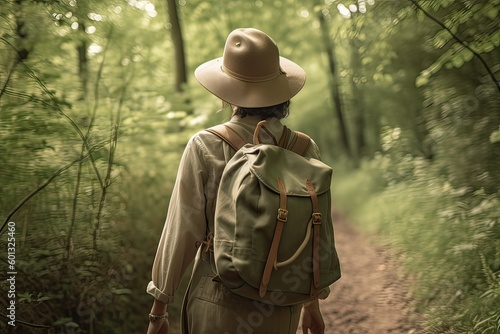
258,84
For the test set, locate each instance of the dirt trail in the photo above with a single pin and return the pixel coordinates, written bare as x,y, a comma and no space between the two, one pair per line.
372,297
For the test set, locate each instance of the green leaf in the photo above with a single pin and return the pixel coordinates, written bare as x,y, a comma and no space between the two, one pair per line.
467,55
421,81
366,60
24,297
492,13
457,61
378,76
488,47
71,324
495,136
495,38
441,38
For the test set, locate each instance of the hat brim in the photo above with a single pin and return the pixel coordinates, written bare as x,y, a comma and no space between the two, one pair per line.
251,94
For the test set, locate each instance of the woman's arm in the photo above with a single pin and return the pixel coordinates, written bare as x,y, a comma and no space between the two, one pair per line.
160,326
312,319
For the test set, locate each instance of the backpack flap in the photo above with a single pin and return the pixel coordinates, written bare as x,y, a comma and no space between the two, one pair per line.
270,162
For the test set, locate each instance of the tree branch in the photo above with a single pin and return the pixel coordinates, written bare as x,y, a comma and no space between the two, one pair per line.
442,25
40,188
27,323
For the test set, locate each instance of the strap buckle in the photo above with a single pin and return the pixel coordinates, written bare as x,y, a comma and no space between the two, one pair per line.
316,218
282,215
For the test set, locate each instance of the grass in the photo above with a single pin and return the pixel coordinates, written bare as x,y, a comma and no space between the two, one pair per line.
447,239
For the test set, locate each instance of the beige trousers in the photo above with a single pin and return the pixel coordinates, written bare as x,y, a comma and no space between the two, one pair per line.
210,308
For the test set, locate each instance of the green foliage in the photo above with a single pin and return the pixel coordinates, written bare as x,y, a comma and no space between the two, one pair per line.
432,192
446,236
64,117
475,22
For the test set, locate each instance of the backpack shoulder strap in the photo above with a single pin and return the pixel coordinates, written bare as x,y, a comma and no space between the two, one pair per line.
300,143
229,135
285,137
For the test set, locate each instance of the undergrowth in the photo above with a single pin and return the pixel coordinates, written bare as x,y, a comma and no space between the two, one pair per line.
447,238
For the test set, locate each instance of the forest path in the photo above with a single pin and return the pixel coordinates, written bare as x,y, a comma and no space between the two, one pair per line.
373,296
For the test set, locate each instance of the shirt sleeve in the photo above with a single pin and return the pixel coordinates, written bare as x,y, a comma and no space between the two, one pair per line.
184,226
313,151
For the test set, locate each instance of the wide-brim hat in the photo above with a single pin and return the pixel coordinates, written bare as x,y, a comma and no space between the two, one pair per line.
251,73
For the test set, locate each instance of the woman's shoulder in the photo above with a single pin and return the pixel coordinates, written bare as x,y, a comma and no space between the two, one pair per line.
211,139
208,146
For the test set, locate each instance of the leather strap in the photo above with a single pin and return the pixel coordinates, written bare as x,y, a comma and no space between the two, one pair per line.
299,250
300,143
260,125
285,137
316,217
229,135
273,251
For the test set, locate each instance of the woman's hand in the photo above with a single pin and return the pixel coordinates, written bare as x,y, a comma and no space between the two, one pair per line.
312,320
161,326
158,327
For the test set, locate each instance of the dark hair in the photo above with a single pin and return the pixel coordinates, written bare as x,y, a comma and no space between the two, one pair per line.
279,111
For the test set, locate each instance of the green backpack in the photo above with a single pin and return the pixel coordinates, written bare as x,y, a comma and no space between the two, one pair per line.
273,238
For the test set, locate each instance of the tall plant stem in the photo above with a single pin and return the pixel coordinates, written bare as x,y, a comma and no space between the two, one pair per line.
82,149
113,143
9,75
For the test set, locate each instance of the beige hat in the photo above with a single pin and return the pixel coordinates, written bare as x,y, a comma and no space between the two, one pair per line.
251,73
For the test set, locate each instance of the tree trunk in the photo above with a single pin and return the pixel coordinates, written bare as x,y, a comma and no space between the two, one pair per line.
334,85
360,119
176,35
83,71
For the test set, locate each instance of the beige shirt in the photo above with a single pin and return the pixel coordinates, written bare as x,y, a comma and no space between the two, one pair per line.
192,205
